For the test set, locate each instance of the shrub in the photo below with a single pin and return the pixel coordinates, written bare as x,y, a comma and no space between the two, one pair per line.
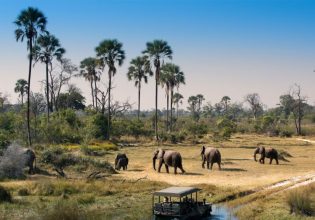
300,202
4,139
285,133
5,195
226,127
23,192
97,126
63,210
86,199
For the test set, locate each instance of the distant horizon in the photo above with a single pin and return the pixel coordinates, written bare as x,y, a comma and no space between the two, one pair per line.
224,47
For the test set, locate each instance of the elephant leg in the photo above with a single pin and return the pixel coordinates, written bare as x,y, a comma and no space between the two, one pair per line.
219,165
208,164
181,169
270,160
160,165
166,167
203,164
211,165
277,161
175,170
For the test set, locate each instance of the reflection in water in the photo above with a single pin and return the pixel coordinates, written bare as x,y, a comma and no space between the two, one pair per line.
220,212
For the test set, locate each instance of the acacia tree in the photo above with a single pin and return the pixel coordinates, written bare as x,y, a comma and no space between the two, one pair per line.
46,49
89,72
21,87
110,52
60,78
30,23
139,70
177,99
294,103
157,50
256,105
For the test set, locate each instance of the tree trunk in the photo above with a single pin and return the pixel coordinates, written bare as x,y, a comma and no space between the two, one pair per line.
109,89
139,90
171,121
167,109
28,93
47,92
177,110
95,94
92,93
156,102
22,96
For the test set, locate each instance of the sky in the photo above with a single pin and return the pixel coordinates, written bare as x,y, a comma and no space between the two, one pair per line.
224,47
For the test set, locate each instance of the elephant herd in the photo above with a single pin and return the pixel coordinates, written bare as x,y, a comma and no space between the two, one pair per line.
209,155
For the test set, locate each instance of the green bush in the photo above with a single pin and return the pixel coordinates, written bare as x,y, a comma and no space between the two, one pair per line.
4,139
5,195
226,127
97,126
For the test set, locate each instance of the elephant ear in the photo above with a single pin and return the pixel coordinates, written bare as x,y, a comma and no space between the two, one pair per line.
203,149
161,153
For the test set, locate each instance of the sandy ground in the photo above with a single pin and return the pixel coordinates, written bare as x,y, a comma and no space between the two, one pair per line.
238,169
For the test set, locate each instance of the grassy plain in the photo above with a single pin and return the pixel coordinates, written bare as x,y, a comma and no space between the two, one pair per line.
127,195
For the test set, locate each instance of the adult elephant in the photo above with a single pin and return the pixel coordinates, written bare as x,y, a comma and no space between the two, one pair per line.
266,153
121,161
29,157
210,155
169,158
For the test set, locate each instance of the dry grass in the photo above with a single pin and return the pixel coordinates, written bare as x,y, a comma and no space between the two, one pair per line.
239,168
107,198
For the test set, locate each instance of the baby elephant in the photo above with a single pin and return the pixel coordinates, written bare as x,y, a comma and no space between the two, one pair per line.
121,161
210,155
29,157
266,153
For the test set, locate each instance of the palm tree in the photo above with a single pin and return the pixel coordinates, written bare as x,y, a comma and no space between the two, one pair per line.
110,52
165,78
30,23
21,87
157,51
225,100
200,99
172,77
139,69
46,49
177,98
88,71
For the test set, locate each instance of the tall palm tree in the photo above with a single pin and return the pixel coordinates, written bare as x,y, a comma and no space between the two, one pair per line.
46,49
110,52
225,100
30,23
88,71
177,98
157,51
172,77
139,70
21,87
200,99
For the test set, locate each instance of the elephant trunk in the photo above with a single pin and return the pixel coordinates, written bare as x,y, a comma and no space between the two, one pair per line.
154,159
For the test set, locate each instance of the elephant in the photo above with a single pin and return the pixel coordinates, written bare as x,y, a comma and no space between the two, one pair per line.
121,161
210,155
169,158
30,159
266,153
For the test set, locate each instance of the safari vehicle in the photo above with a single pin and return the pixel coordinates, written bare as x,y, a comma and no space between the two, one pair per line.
179,203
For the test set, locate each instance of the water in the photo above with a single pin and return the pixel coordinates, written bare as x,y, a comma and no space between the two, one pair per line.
221,212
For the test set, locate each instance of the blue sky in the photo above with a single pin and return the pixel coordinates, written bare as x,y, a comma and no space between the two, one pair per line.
225,47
